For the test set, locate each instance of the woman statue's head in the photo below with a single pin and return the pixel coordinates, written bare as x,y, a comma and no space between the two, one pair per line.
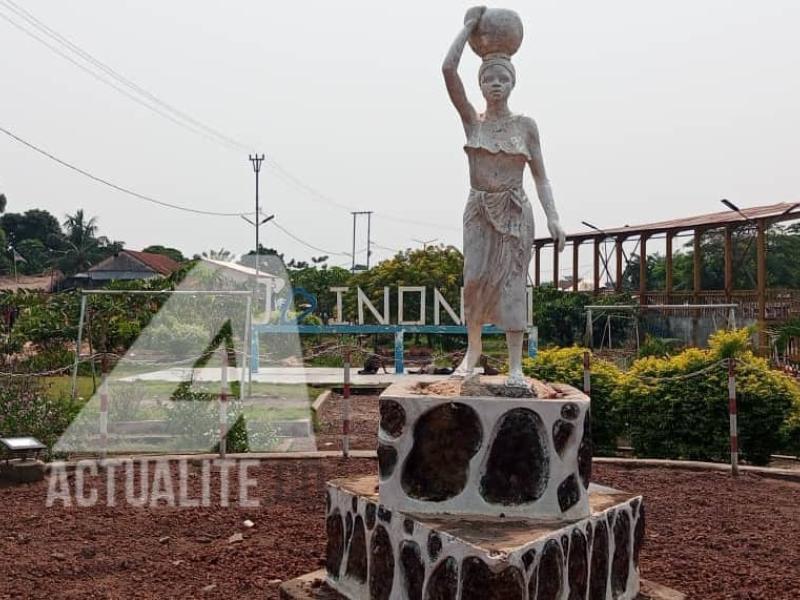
497,78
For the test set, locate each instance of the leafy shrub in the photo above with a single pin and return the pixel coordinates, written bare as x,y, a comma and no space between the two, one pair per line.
565,365
675,416
658,346
25,409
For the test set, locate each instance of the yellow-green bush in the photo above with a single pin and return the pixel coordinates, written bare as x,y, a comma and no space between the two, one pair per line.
672,416
565,365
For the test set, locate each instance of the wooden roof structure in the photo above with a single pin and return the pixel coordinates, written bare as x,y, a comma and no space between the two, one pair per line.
758,217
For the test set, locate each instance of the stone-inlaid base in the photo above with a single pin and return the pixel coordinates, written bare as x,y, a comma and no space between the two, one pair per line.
443,452
314,586
378,553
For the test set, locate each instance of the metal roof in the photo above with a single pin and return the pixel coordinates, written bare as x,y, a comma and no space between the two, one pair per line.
781,211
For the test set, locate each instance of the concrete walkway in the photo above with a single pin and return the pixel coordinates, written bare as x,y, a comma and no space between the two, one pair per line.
281,375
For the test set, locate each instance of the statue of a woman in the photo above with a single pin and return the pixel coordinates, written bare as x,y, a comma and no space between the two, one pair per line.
498,220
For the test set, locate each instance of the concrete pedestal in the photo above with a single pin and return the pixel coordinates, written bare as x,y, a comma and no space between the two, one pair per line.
383,554
442,450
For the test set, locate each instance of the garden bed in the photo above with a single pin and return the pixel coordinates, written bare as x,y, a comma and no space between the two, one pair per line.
708,536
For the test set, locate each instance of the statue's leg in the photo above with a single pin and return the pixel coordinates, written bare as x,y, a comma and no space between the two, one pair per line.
474,351
515,375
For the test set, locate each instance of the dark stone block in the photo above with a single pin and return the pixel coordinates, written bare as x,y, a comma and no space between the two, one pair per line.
621,565
357,559
635,506
393,417
479,582
443,583
589,534
335,549
598,578
518,467
408,526
569,493
369,513
348,525
381,559
528,558
585,451
354,504
387,460
570,411
445,439
562,432
578,572
384,514
638,535
551,572
413,569
327,502
565,544
434,545
533,583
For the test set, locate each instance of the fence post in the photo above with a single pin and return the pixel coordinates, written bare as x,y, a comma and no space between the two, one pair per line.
533,342
589,333
587,373
399,351
346,407
104,407
733,417
81,318
223,405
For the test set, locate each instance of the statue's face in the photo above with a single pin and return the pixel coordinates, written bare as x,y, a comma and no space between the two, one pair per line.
496,83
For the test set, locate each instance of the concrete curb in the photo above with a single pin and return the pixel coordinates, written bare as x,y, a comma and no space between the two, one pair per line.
321,399
689,465
630,463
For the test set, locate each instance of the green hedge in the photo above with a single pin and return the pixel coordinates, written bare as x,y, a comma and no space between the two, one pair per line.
687,418
565,365
665,409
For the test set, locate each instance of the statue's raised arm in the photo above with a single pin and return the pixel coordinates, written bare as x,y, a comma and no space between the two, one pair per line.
455,87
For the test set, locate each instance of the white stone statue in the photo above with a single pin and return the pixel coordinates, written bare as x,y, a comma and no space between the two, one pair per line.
498,220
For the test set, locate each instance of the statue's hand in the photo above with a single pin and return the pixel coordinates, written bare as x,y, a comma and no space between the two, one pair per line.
557,233
473,15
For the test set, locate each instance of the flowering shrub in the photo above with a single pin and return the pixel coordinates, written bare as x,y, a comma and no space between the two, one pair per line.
565,365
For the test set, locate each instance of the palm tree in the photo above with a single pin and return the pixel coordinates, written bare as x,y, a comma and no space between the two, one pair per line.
222,255
83,248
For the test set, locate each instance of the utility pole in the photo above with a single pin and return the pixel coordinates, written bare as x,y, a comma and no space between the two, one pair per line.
425,243
356,214
256,160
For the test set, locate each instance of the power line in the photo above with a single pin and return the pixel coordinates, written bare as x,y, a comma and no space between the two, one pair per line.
194,124
119,188
104,80
306,244
164,109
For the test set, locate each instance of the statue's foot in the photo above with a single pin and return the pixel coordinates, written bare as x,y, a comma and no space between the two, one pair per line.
517,379
463,371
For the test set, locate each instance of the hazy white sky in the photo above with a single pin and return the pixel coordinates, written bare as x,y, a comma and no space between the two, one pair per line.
647,111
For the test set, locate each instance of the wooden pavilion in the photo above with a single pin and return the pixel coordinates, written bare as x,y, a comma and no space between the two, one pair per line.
761,304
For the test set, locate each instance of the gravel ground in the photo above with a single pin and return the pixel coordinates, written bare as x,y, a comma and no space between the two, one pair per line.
364,417
708,536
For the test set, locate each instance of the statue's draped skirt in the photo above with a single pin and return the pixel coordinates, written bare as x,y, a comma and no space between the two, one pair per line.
498,237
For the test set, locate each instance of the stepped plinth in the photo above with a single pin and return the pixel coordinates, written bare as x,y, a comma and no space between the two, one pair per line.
480,497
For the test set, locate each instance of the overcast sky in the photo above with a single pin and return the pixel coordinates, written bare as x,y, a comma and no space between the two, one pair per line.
646,110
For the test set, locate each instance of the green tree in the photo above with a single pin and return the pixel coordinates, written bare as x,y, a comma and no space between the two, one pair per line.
36,255
438,267
173,253
33,224
82,246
